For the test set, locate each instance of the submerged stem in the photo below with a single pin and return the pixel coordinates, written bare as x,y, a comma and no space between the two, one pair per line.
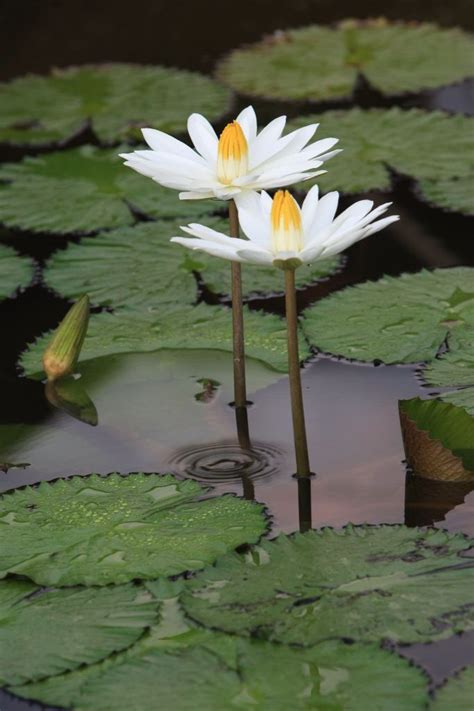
240,395
297,409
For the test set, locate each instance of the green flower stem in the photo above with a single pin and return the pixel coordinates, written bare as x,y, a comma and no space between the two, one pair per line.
240,395
297,409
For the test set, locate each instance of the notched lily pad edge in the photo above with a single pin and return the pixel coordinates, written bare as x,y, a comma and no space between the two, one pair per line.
384,644
206,493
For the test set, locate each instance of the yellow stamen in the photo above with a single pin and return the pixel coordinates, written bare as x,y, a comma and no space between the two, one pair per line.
232,153
287,234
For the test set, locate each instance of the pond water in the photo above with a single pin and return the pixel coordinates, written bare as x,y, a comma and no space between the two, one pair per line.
169,411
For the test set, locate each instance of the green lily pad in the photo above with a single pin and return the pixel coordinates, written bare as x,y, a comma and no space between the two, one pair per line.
414,143
116,99
90,189
455,367
316,63
454,194
456,693
365,583
46,632
95,530
193,668
256,280
16,272
189,328
401,319
438,439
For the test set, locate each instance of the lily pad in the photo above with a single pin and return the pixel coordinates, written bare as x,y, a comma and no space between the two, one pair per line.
365,583
190,328
115,99
96,531
46,632
193,668
401,319
413,143
454,194
90,190
438,439
456,693
319,63
16,272
455,367
256,280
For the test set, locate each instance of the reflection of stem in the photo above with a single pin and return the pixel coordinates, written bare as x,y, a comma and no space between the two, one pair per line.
304,503
242,422
299,428
240,396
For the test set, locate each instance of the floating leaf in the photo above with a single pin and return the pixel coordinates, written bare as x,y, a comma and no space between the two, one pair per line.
117,99
456,693
46,632
256,280
190,328
365,583
316,62
438,439
187,667
414,143
16,272
396,319
95,530
450,194
90,190
455,367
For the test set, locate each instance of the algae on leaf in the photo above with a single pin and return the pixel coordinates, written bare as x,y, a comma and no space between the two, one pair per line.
16,271
116,100
401,319
322,63
90,189
201,327
365,583
188,667
100,530
47,632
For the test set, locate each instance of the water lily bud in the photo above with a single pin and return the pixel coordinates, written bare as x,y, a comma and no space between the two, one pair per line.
61,356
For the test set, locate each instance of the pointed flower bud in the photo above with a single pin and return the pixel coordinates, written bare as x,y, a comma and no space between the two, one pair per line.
61,356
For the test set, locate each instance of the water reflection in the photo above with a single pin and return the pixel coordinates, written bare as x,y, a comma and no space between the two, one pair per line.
68,395
304,503
428,501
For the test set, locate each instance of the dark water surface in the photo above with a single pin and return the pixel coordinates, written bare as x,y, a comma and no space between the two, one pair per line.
153,413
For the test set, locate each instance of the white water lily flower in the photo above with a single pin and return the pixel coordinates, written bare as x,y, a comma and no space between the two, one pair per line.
240,160
281,233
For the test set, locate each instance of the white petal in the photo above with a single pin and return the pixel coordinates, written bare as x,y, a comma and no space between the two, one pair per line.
309,207
353,214
255,224
311,252
264,144
254,257
323,216
209,235
204,138
380,224
289,145
216,250
319,147
160,141
193,195
248,122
